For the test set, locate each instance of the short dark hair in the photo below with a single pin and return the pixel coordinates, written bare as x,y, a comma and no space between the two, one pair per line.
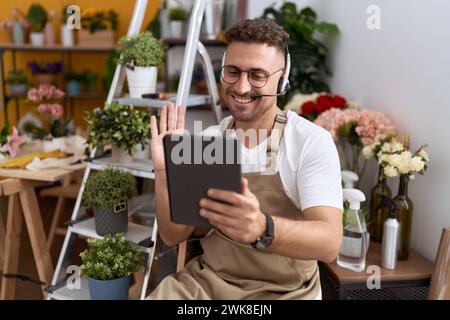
259,30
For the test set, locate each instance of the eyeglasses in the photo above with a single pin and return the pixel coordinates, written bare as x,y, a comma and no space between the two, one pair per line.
256,77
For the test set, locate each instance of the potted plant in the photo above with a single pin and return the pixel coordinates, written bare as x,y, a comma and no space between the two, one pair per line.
141,54
177,16
66,32
89,81
18,83
107,193
73,83
53,135
45,73
98,28
109,263
37,16
120,125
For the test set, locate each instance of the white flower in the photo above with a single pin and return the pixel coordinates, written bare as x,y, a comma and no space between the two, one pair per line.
417,164
387,147
390,171
367,152
397,146
422,153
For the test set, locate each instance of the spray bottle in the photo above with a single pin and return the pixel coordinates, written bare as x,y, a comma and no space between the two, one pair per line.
349,178
391,235
352,254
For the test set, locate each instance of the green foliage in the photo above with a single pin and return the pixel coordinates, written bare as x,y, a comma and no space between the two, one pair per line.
96,20
17,77
120,125
107,188
111,258
89,78
142,50
177,14
308,55
37,17
110,68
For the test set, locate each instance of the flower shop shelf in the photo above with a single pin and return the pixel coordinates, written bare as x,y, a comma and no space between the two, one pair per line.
57,48
138,167
193,100
136,232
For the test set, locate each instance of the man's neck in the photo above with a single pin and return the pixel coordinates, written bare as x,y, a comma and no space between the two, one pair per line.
263,124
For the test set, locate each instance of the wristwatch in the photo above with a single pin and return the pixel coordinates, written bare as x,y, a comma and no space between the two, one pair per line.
266,239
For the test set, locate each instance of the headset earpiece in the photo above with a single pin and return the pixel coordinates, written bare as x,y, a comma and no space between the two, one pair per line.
283,84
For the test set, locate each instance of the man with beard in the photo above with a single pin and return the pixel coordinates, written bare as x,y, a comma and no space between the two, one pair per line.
266,240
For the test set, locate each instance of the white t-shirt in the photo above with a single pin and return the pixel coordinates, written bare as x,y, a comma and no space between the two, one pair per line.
307,161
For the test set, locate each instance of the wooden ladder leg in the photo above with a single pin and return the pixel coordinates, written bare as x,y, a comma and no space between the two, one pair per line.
2,242
60,205
12,246
182,253
33,220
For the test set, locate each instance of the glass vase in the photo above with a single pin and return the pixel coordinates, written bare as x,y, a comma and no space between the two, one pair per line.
404,215
378,215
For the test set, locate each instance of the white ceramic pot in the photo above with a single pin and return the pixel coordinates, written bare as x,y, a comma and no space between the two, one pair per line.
141,80
54,144
37,39
143,154
66,36
176,29
120,155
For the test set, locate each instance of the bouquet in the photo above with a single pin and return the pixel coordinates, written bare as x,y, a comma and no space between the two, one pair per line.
10,144
358,127
47,99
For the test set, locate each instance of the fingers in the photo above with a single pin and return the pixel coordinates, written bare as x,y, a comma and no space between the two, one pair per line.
218,207
171,117
153,126
230,197
219,220
163,121
245,190
180,117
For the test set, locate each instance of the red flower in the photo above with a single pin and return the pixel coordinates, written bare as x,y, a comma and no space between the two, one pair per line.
308,108
339,102
324,98
324,106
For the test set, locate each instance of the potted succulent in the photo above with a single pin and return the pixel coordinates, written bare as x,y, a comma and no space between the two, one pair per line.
109,263
45,73
18,83
107,193
120,125
37,17
73,83
177,16
141,54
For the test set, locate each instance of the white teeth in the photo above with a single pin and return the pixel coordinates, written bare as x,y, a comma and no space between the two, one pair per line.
242,100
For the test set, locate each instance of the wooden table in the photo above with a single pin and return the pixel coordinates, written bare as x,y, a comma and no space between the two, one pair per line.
410,279
23,205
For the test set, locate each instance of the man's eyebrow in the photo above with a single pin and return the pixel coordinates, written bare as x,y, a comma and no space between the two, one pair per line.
251,69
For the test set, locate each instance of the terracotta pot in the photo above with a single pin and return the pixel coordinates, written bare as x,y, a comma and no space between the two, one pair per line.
45,78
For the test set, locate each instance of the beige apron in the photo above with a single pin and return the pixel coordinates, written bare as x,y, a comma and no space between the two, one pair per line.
231,270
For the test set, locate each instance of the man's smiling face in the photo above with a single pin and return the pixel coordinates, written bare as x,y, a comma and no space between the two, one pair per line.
237,96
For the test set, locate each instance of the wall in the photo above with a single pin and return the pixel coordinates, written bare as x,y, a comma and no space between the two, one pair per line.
403,69
94,62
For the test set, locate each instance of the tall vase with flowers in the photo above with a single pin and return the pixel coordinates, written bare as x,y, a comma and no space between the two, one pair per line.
405,164
47,99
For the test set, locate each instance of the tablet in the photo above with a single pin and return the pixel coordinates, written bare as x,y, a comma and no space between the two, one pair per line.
195,163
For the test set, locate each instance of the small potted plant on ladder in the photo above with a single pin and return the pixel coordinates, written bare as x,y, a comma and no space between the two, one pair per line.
108,263
141,55
107,193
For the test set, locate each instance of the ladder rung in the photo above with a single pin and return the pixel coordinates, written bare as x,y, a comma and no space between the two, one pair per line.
138,168
193,100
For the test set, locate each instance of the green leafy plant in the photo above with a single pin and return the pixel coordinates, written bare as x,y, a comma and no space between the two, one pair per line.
72,76
89,79
111,258
177,14
308,54
17,77
37,16
120,125
107,188
142,50
96,20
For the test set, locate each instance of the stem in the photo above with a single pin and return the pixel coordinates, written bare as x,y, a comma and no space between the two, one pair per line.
343,156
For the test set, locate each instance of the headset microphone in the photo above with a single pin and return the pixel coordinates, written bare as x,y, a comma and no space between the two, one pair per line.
256,96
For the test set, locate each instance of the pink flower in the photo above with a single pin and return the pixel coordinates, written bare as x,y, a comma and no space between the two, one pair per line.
57,111
34,95
58,94
45,90
14,142
45,109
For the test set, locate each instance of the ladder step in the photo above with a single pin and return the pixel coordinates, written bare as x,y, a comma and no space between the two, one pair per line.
138,168
193,100
137,233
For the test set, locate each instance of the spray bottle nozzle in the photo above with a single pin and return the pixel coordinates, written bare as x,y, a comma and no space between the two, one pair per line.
387,202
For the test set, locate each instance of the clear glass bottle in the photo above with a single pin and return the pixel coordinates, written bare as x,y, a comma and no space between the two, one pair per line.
378,215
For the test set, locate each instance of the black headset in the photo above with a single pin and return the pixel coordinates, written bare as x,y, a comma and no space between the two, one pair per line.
283,83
